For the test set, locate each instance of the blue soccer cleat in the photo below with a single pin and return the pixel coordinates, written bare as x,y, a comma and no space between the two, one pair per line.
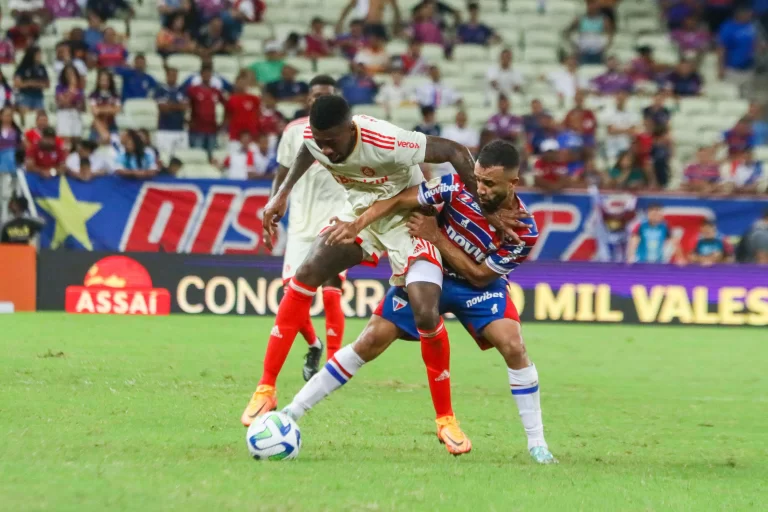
542,455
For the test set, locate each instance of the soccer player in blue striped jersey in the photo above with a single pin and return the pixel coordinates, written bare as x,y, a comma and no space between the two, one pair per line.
477,258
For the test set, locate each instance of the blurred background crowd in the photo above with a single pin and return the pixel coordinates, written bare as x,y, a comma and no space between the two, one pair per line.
631,95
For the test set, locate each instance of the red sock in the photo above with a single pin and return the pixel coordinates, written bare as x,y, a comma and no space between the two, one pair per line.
307,330
436,353
292,315
334,319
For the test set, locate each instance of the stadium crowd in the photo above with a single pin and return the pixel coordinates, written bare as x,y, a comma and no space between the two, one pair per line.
628,95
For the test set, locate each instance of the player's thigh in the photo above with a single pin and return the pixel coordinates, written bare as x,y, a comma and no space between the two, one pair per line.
296,251
376,337
403,249
325,261
506,336
476,309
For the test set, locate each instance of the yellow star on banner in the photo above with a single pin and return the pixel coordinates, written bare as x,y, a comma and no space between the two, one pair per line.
70,214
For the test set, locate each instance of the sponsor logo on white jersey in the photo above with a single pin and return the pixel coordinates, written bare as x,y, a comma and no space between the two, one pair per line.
484,297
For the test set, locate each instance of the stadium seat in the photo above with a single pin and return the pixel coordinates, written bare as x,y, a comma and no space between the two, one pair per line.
470,52
226,65
252,47
377,111
433,53
540,55
192,156
334,66
696,106
302,65
257,31
283,30
140,107
406,117
62,25
185,63
197,170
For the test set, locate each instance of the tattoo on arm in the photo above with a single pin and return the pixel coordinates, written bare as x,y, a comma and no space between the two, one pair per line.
299,168
440,150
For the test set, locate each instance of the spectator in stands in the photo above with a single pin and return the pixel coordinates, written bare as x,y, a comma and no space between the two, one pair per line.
644,70
573,150
172,169
203,99
172,105
46,158
428,125
70,103
445,15
272,121
740,138
6,92
425,26
105,103
217,81
293,45
622,125
505,125
171,8
108,9
247,160
137,83
315,43
550,172
684,81
702,176
462,133
64,58
77,45
614,80
742,174
547,130
754,245
174,37
110,53
24,34
374,55
628,173
30,80
372,14
349,43
358,87
136,160
678,12
94,34
435,93
20,229
652,239
502,78
10,140
62,9
7,51
738,42
710,246
146,139
566,80
288,88
85,163
213,40
210,9
243,111
716,13
656,111
534,121
586,121
692,40
591,33
33,135
411,62
241,12
759,123
270,69
395,94
662,151
474,32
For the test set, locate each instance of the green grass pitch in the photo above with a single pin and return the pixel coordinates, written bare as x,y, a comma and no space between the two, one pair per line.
116,413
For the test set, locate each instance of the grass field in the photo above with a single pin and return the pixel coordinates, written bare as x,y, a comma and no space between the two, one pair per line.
116,413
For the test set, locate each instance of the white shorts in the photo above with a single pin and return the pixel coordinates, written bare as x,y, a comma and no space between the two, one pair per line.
68,123
390,235
296,251
168,142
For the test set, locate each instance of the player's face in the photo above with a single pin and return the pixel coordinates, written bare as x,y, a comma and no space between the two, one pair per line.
319,90
336,143
655,216
493,187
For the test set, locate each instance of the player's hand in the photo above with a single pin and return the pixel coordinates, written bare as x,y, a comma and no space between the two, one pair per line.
423,226
273,212
341,232
508,221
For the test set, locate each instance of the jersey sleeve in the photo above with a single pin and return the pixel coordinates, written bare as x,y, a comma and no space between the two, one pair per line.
410,147
440,190
509,256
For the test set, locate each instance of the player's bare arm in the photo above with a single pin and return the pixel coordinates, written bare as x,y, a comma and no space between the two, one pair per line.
478,275
278,204
280,175
440,151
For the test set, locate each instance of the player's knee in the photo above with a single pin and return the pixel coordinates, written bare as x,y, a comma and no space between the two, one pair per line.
427,317
513,351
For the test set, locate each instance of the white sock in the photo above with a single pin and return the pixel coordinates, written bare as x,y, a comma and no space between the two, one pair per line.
336,372
525,390
316,344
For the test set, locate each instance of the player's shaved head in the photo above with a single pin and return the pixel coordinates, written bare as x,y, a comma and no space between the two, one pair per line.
330,119
496,171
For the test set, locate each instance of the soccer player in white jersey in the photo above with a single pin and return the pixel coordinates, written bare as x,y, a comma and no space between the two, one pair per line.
374,160
315,198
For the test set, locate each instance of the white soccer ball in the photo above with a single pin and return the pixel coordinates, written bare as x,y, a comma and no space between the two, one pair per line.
273,436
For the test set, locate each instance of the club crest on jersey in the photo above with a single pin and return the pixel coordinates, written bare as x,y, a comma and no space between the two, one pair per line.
368,172
434,182
398,303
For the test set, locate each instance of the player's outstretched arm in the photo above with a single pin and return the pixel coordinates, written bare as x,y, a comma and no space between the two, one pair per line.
342,232
440,151
425,227
280,175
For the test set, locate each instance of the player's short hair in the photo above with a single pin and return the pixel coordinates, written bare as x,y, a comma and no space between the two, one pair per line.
427,110
323,80
708,222
655,206
328,112
499,153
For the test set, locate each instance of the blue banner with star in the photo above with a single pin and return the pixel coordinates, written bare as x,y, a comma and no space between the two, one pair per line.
224,216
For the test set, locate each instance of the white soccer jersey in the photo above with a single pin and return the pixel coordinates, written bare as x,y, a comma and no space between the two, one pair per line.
384,162
316,197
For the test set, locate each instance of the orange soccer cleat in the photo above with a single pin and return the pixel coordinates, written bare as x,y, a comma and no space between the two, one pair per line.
449,433
262,401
